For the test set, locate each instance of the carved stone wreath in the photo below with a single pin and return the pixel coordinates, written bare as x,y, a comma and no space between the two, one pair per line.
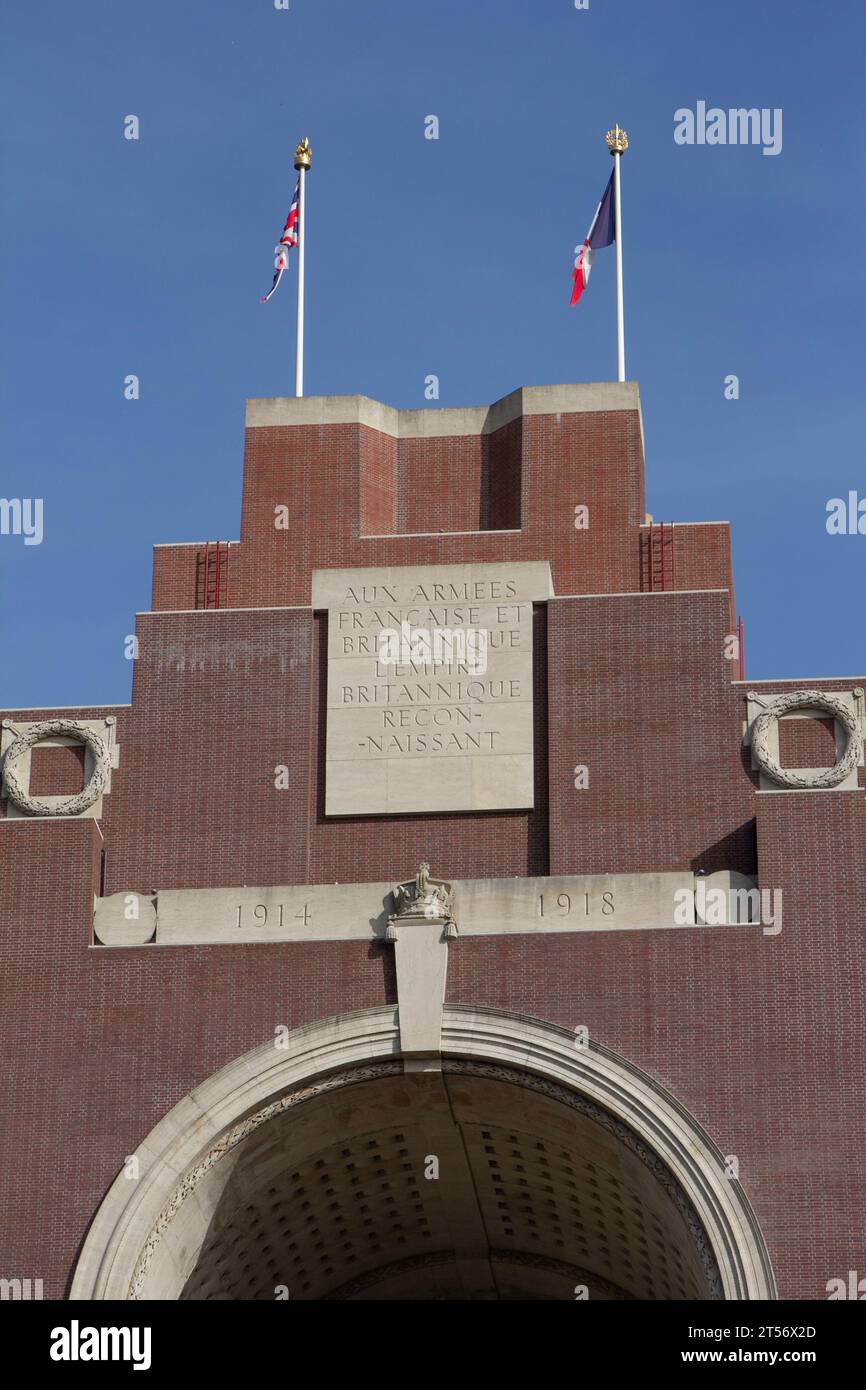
70,805
806,699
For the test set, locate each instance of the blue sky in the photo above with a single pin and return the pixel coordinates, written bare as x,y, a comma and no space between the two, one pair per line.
450,257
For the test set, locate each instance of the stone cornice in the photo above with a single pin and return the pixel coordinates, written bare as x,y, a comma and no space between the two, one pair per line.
436,422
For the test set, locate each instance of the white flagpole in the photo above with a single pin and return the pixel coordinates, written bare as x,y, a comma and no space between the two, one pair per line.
617,143
303,161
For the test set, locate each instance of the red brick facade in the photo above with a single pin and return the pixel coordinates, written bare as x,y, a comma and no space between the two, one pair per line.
763,1038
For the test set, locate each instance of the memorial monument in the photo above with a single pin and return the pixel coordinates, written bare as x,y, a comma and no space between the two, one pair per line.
446,916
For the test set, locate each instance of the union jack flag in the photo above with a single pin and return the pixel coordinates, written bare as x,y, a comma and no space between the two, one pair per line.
287,240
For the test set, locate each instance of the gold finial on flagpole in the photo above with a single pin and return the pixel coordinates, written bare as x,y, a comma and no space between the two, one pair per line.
304,154
617,140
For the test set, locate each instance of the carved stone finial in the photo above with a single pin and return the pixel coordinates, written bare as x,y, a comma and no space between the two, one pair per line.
422,899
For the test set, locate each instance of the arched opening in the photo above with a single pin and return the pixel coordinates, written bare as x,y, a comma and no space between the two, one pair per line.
515,1167
449,1185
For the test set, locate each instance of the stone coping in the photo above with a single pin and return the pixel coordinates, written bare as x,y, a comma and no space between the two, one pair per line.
440,422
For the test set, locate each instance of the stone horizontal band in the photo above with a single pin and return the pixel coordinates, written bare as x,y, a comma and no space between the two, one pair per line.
70,805
807,699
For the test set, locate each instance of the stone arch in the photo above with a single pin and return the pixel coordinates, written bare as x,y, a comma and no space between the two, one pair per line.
150,1235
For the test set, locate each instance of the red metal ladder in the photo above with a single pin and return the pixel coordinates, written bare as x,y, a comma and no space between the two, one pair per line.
660,567
212,579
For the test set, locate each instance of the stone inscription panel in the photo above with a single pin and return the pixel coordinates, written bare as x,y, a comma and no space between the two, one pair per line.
429,703
360,911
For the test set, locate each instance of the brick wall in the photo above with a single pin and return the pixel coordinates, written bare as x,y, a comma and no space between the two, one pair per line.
56,771
98,1044
175,576
697,556
807,742
762,1037
356,497
222,700
640,696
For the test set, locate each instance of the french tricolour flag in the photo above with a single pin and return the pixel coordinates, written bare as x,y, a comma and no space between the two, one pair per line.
288,239
601,233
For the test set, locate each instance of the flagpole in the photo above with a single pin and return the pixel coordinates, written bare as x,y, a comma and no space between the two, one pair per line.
617,143
303,161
